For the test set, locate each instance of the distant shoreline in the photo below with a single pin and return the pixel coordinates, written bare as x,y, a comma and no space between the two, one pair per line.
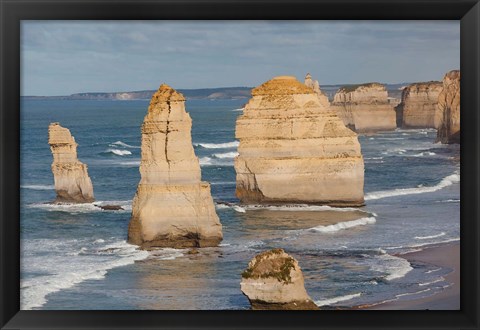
220,93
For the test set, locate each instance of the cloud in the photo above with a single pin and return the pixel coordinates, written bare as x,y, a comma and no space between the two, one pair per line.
79,56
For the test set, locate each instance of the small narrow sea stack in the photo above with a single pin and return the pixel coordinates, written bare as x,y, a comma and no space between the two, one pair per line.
448,109
72,183
419,104
172,206
365,107
293,149
315,86
274,280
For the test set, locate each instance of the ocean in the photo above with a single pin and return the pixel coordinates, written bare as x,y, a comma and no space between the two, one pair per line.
76,256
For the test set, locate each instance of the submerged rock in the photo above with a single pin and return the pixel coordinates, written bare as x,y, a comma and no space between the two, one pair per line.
72,183
448,109
293,149
274,280
365,107
110,207
419,103
172,206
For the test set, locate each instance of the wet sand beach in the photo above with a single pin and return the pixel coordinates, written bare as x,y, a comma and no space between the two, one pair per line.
447,255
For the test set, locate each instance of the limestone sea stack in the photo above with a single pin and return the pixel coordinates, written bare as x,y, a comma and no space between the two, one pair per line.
365,107
419,103
315,86
172,206
72,183
274,281
448,109
293,149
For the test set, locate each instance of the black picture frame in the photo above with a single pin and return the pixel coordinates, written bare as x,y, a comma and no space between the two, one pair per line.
13,11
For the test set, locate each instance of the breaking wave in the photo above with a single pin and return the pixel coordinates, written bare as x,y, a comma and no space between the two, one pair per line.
66,266
331,301
225,145
447,181
343,225
429,237
117,152
38,187
123,144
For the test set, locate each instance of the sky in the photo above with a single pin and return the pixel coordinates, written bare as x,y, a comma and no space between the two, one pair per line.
66,57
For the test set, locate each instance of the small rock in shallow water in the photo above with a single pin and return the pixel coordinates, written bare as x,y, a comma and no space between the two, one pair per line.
274,280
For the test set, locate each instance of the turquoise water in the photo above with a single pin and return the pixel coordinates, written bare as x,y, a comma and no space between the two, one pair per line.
76,257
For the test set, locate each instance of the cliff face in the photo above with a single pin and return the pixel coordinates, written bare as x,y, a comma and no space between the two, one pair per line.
365,108
172,207
448,109
72,183
274,280
294,150
419,103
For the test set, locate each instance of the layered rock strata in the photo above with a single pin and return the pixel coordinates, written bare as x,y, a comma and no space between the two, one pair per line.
72,183
365,108
448,109
419,103
315,86
274,281
295,150
172,206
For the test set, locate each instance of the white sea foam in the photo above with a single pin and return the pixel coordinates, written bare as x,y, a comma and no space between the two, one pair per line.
401,247
441,279
61,268
38,186
84,207
239,109
206,161
117,152
225,145
167,253
430,237
221,183
449,201
344,225
423,154
411,293
301,207
394,267
447,181
123,144
231,154
332,301
133,163
239,209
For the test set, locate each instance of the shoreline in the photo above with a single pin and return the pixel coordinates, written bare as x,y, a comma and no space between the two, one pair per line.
445,255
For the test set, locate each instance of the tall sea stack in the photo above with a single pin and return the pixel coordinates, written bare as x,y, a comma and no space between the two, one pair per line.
448,109
172,206
419,104
365,107
72,183
293,149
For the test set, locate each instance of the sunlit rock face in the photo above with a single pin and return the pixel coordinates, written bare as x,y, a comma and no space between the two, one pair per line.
448,109
72,183
172,206
273,280
419,104
365,108
293,149
315,86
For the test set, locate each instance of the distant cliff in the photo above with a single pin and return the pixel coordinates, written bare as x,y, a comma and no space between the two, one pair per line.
205,93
